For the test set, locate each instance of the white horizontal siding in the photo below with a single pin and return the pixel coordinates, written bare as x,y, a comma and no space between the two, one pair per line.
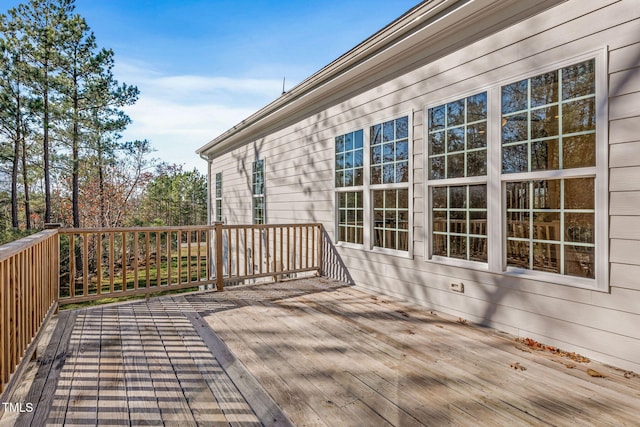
624,203
299,180
625,179
624,130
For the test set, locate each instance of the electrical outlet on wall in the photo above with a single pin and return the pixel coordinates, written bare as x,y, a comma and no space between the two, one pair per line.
456,286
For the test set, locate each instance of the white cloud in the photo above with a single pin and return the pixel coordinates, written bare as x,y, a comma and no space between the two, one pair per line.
179,114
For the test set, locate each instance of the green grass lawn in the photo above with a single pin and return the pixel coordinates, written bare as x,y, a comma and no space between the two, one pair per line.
147,276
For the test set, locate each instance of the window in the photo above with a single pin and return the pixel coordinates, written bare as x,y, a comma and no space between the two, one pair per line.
458,138
457,148
389,147
390,152
459,222
539,198
550,226
349,160
549,126
219,197
350,217
372,185
349,176
391,219
258,190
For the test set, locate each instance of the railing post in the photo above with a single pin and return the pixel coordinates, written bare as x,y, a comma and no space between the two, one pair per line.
320,249
54,264
218,256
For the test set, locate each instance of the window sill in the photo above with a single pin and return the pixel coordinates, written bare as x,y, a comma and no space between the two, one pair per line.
540,276
383,251
462,263
555,279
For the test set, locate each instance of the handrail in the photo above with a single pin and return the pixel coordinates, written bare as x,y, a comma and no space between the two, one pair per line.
99,263
112,262
28,296
68,265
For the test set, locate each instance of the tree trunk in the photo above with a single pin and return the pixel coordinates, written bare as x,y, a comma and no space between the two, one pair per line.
14,183
25,180
76,168
45,147
103,219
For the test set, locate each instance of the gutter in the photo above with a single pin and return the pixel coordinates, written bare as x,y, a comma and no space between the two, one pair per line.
363,51
428,28
209,207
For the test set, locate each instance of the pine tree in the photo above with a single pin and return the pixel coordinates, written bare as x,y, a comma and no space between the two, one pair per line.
42,22
15,111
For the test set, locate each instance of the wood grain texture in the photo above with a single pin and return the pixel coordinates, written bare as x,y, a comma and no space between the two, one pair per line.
314,352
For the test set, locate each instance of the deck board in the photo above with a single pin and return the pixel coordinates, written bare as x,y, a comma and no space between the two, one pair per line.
310,352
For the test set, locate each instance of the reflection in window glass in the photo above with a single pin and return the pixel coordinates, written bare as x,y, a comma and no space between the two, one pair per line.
548,121
349,159
219,196
551,225
459,222
350,217
458,138
258,192
391,219
389,148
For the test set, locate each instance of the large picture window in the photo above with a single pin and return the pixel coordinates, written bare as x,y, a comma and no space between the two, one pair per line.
372,171
540,195
549,126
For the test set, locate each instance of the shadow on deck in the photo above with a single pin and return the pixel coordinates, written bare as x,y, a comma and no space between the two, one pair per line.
303,352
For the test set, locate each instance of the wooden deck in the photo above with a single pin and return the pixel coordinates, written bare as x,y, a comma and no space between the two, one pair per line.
307,352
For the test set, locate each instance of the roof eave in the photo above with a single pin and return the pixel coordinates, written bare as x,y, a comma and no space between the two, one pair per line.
423,22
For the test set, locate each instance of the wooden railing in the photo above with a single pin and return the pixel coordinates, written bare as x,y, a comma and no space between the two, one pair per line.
276,251
117,262
63,266
28,295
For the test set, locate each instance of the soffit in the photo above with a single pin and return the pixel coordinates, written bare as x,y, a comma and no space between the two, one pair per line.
423,34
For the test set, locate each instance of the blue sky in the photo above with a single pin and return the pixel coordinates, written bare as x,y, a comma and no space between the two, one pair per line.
203,65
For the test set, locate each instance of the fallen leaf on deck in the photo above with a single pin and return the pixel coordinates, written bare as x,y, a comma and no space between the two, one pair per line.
630,374
518,367
535,345
594,373
462,321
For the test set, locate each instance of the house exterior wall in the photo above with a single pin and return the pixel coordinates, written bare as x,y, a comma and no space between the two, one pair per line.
300,163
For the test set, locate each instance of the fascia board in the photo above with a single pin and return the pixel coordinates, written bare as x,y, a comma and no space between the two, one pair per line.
430,34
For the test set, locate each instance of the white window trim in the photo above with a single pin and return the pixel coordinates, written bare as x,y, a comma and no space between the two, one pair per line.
449,182
258,196
218,199
496,229
367,188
